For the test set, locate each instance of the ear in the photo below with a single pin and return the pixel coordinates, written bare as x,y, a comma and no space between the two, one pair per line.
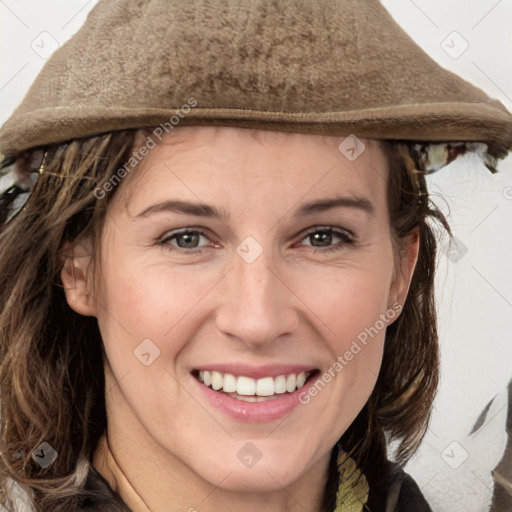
404,270
76,276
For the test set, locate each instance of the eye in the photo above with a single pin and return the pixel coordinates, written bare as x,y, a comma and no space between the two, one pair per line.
185,240
322,238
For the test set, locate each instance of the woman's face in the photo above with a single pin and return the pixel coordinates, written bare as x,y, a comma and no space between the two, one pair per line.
253,260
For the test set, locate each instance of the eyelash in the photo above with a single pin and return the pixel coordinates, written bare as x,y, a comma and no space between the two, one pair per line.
346,237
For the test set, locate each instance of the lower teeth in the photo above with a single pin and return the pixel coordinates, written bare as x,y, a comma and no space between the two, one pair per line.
250,398
253,398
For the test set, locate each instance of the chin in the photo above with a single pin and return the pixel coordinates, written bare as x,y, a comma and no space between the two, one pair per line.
267,471
258,480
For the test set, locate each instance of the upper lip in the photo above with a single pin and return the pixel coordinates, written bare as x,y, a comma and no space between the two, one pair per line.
256,372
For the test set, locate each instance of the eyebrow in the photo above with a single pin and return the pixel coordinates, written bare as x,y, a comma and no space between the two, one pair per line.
321,205
196,209
310,208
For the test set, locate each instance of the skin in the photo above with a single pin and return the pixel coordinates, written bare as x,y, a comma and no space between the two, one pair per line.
291,305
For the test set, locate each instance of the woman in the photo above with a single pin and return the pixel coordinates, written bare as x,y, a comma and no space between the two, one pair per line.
219,294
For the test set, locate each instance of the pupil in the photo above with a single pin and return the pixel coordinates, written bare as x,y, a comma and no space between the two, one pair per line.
323,237
190,239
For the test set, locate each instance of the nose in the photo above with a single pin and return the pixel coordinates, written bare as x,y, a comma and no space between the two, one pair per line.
257,306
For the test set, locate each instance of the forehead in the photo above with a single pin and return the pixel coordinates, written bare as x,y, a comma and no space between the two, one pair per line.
205,161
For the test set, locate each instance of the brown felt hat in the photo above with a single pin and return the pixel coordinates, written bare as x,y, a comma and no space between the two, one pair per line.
315,66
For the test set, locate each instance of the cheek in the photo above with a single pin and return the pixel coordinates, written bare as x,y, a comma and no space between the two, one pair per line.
156,304
143,314
353,311
348,302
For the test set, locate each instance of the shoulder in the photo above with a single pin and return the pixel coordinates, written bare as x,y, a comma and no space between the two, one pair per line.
396,491
96,495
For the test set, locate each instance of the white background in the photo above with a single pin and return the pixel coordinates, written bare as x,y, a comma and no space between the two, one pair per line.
474,293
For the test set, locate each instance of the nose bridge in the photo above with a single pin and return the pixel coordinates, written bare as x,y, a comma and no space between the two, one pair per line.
253,283
258,307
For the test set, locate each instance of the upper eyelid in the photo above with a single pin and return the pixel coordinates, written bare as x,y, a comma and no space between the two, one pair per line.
171,234
333,229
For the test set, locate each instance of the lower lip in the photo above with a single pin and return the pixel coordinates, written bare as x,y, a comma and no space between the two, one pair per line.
254,412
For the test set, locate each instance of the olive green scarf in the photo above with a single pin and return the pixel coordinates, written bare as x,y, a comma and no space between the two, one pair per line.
353,487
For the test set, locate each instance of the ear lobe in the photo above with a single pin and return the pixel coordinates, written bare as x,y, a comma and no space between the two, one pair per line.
405,269
76,278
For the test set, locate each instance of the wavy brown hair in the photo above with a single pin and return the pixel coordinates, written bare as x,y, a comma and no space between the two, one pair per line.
51,367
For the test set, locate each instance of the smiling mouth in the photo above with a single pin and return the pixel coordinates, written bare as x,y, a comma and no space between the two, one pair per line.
248,389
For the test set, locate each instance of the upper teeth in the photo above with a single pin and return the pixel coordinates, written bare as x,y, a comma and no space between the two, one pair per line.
267,386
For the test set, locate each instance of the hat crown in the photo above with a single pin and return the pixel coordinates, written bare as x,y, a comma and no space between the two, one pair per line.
328,66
